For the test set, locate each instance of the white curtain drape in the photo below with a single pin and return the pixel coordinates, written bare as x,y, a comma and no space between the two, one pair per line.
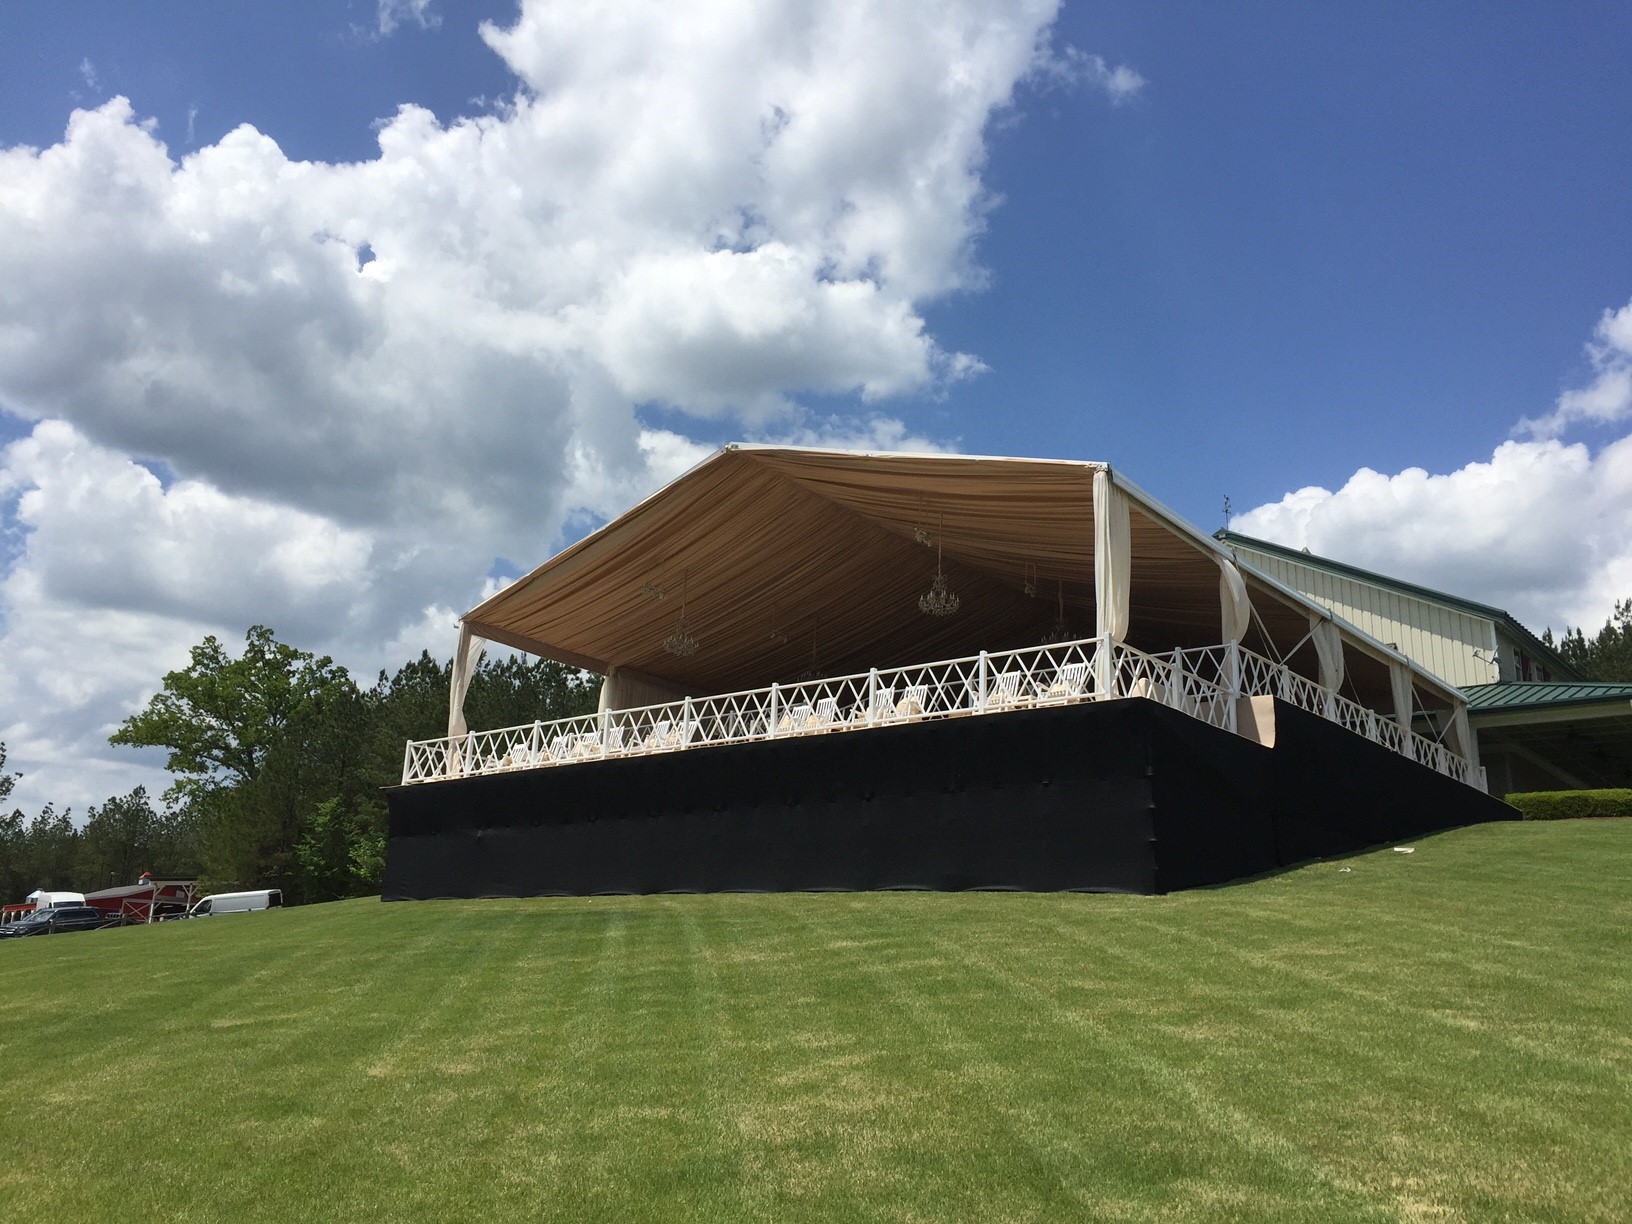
1235,605
1461,735
1328,640
1113,557
464,667
1399,676
624,689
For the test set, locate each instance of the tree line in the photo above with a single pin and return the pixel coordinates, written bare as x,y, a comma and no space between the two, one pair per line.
278,759
1607,655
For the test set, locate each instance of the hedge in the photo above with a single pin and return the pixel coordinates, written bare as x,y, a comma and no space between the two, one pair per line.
1571,804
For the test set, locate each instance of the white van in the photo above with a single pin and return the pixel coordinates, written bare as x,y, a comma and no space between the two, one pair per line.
50,900
236,903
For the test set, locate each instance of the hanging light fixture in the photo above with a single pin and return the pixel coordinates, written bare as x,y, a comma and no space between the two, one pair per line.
1060,630
1030,587
938,600
680,642
813,672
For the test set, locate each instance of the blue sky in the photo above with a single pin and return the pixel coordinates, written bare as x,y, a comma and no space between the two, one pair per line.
1318,249
1321,237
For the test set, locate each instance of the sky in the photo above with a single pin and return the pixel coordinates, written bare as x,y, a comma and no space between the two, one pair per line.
335,316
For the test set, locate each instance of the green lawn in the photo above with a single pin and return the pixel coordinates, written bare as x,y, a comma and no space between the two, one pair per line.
1445,1035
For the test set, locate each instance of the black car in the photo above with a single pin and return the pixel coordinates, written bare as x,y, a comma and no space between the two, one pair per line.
58,919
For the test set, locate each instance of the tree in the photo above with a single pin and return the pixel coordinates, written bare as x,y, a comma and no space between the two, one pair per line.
125,837
7,781
256,743
223,718
1605,656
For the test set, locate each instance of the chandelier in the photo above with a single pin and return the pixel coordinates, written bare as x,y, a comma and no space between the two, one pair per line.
939,600
1060,630
680,642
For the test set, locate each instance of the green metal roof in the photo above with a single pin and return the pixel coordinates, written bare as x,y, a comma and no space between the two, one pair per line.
1533,643
1533,695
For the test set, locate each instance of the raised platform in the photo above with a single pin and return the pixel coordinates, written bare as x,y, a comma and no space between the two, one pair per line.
1117,796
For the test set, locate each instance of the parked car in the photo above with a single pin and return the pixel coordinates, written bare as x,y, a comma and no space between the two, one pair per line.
58,919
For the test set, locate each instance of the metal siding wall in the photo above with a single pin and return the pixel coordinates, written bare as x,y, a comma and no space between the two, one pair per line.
1441,639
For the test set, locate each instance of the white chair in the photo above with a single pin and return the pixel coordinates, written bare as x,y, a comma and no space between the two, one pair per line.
827,713
914,702
1005,692
1070,683
883,706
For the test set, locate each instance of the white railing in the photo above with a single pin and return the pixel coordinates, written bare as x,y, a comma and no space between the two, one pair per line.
1204,683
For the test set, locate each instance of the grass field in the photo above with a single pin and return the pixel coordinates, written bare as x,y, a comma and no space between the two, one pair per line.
1445,1035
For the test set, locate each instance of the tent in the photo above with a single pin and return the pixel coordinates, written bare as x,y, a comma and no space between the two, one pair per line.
779,562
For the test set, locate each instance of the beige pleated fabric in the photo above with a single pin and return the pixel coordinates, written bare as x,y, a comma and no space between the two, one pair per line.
791,560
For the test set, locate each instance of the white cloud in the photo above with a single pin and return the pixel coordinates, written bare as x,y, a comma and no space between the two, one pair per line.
1071,67
87,73
1608,398
686,211
1543,530
393,13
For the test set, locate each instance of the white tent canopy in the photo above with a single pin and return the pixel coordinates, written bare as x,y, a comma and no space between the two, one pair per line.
786,561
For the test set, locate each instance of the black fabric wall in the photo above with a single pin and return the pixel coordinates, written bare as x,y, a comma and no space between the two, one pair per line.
1123,796
1037,800
1321,791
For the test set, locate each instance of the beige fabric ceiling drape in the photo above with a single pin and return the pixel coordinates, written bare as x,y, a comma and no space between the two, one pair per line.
792,560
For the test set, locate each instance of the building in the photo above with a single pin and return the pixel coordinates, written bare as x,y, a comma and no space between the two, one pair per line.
1538,724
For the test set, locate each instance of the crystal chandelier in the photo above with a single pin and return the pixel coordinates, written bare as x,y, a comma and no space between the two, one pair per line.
680,642
813,672
1060,630
939,600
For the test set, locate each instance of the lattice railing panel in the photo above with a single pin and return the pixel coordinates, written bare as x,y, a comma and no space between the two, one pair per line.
1204,683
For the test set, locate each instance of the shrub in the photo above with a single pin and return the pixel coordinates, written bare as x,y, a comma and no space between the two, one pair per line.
1572,804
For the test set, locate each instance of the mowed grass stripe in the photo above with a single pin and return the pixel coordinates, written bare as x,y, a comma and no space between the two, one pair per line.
1117,1086
1441,1036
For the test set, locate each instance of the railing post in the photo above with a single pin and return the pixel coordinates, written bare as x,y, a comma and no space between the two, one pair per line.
872,696
1232,664
535,741
1104,670
685,723
983,671
776,693
606,723
407,760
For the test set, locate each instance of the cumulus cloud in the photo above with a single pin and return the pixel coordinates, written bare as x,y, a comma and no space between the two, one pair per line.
1543,529
355,388
1608,398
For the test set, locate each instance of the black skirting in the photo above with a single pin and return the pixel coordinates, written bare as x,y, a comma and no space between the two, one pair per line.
1120,796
